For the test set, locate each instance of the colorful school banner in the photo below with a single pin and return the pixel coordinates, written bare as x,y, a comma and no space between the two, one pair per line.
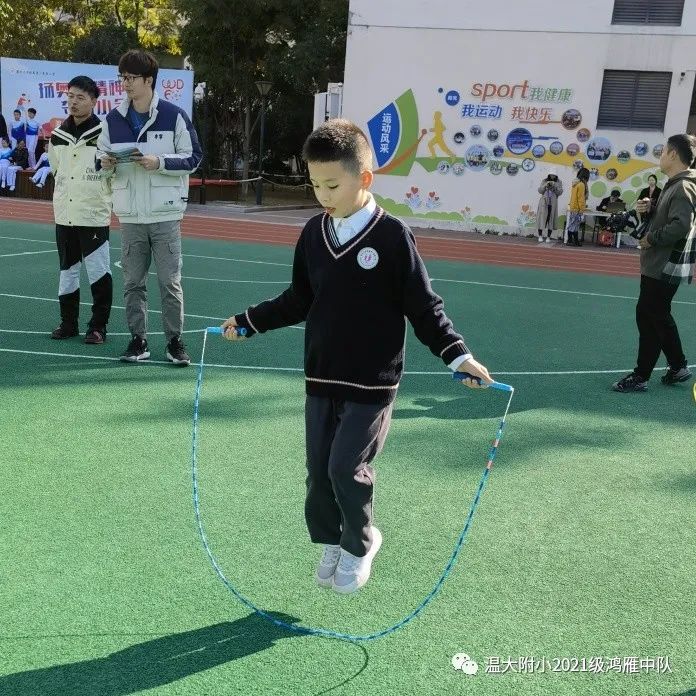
43,85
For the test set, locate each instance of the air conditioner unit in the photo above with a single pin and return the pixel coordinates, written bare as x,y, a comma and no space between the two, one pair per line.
328,104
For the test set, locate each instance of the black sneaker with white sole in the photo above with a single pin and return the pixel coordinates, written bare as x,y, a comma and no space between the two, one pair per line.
683,374
631,383
64,330
136,351
176,352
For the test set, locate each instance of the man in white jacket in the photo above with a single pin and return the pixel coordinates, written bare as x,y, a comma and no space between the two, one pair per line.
82,210
148,147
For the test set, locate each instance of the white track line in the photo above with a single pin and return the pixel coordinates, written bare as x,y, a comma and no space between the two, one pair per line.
28,253
109,333
25,239
89,304
299,369
565,292
438,280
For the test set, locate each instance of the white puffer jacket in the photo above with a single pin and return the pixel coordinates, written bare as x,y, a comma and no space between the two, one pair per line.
81,197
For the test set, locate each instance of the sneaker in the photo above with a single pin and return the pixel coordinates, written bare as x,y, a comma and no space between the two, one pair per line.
673,376
327,565
176,352
137,350
630,383
549,240
95,336
354,571
540,240
64,330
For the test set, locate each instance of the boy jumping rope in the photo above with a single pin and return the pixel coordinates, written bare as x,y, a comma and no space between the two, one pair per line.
356,277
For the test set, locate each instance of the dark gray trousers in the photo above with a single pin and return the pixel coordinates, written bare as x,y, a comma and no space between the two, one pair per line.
342,437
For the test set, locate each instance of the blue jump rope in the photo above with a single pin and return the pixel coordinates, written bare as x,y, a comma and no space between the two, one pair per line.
325,632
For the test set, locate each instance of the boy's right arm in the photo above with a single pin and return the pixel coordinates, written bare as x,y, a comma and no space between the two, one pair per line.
290,307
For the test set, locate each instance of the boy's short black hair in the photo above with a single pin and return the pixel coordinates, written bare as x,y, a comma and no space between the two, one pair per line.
137,62
615,192
17,111
86,84
339,140
31,110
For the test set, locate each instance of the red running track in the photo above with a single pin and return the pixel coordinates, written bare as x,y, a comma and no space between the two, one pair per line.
500,252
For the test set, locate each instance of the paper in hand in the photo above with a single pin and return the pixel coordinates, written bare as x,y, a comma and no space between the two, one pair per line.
125,154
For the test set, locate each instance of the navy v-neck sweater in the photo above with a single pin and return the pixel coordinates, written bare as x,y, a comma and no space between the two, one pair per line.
355,299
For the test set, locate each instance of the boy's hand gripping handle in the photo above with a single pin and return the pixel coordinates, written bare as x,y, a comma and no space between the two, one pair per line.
459,376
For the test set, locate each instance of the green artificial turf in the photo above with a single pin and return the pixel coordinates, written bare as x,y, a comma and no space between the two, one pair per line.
582,546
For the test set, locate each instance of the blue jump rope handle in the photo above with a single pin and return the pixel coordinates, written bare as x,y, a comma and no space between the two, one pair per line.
241,331
459,376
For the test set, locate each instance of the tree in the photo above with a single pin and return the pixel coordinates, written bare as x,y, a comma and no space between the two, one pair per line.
54,29
34,30
104,45
297,44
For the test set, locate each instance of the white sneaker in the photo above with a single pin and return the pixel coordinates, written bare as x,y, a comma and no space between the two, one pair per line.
540,240
549,240
354,571
327,565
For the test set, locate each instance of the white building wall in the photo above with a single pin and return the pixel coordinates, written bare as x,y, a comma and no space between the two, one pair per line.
427,49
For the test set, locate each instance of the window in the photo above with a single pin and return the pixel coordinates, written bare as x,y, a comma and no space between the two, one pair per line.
665,12
634,100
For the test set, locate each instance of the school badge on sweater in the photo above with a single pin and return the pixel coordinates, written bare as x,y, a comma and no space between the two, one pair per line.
367,258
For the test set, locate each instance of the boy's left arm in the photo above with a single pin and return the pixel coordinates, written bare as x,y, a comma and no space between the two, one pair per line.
187,150
425,311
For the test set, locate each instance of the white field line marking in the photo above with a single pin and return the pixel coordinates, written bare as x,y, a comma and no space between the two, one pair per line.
299,369
89,304
108,333
26,239
437,280
28,253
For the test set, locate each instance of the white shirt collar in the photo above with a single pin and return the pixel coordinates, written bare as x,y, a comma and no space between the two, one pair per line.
348,227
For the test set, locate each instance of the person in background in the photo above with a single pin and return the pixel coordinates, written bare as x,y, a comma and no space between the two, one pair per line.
150,192
18,160
32,128
18,129
612,203
578,205
43,169
4,135
82,211
651,191
5,153
667,257
547,210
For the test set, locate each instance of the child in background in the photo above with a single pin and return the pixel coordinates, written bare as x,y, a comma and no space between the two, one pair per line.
18,129
43,169
32,127
356,278
5,163
578,205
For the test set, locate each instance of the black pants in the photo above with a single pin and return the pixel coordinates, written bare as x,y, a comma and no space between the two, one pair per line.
343,438
91,245
549,222
656,327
